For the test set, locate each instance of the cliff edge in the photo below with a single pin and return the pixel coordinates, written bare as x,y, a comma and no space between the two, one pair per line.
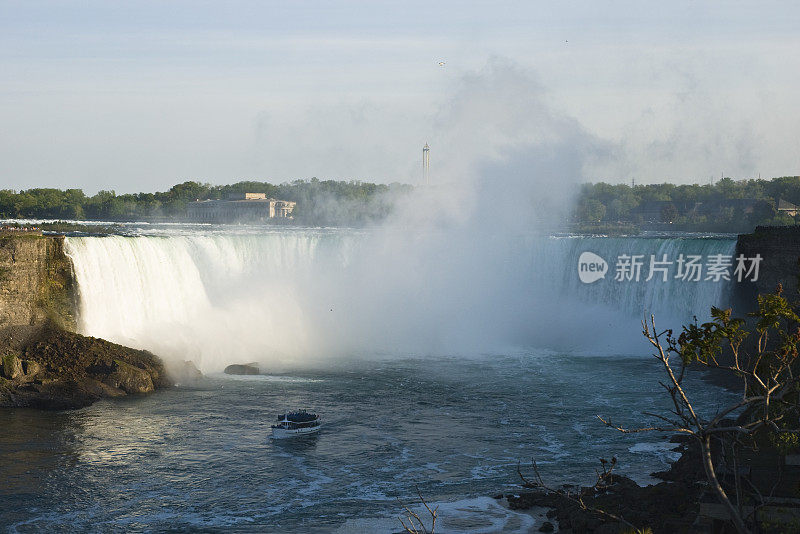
36,282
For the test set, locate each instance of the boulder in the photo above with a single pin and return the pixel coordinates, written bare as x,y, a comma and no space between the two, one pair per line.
242,369
100,389
6,389
130,379
31,368
12,367
547,526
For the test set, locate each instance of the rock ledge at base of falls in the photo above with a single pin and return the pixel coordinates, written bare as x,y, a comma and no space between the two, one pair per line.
50,368
43,363
242,369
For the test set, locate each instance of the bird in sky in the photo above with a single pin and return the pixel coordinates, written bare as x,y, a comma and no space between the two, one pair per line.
441,63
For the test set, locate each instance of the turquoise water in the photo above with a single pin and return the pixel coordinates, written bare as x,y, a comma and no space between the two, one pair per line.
199,457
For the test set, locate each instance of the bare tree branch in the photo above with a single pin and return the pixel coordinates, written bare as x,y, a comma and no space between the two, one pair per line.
411,516
646,429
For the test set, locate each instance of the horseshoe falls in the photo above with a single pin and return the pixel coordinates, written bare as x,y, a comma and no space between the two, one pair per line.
298,296
438,361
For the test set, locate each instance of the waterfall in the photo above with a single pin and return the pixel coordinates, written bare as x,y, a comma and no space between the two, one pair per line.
297,295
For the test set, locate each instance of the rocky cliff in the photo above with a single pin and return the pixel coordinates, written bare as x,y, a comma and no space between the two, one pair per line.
43,363
779,246
36,281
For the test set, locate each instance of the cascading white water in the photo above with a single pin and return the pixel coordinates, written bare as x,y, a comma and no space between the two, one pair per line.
307,294
210,299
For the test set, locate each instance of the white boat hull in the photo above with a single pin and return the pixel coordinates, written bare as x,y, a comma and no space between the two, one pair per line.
280,433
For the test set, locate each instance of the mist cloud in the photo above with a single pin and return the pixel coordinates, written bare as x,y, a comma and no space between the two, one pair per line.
454,268
460,266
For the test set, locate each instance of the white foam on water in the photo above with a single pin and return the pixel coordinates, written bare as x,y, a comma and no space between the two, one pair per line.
264,378
480,515
661,449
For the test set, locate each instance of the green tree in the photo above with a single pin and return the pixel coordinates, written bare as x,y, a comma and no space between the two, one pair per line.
189,191
766,412
591,210
762,212
669,213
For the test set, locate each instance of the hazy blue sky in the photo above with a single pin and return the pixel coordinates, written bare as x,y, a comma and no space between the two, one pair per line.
141,95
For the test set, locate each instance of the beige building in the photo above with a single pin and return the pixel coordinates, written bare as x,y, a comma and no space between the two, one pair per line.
787,208
240,207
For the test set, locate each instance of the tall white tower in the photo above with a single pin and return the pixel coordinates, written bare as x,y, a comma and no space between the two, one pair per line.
426,164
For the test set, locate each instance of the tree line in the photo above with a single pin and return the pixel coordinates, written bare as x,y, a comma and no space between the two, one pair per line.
726,204
318,201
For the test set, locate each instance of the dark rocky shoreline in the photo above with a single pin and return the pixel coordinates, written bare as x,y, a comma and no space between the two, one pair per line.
668,507
50,368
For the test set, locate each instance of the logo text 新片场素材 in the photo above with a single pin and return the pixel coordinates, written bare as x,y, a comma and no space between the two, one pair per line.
686,267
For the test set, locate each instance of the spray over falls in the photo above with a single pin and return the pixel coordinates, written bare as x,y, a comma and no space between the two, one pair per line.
308,295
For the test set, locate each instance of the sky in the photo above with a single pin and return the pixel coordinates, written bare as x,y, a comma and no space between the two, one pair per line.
138,96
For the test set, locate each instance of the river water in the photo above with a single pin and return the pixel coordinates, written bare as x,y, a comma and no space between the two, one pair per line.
199,457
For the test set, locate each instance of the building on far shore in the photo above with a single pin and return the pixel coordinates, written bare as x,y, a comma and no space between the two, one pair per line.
787,208
240,207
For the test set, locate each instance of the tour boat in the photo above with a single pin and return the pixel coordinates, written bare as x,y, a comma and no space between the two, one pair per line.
299,423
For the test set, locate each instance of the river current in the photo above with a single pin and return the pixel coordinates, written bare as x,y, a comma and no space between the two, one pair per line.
199,457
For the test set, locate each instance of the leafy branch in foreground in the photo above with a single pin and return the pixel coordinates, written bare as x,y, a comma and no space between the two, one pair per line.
768,404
